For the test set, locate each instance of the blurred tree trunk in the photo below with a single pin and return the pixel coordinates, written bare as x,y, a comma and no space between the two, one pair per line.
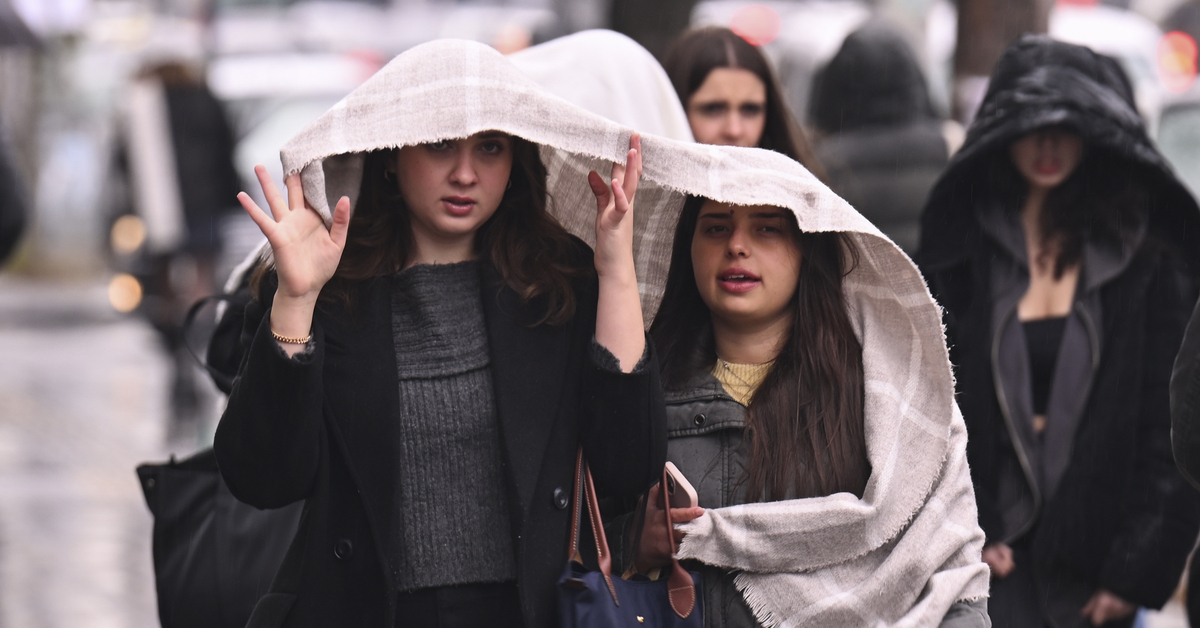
985,29
652,23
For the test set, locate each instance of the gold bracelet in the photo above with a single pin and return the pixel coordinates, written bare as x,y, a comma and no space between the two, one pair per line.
291,341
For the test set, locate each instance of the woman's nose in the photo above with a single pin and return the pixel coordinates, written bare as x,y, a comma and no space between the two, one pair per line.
733,125
464,169
736,245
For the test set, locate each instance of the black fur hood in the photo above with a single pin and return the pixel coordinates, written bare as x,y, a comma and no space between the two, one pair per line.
1041,82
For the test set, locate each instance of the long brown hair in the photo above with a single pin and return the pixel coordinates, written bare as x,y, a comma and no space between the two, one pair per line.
527,246
805,427
698,52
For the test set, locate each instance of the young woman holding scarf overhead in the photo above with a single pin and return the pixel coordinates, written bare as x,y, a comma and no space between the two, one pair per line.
423,368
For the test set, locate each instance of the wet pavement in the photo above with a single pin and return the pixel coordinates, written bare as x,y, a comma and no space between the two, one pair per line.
83,401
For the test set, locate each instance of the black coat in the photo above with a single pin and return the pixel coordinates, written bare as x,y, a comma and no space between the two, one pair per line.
1119,516
324,430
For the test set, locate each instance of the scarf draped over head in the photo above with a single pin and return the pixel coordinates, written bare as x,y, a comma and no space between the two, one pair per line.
910,547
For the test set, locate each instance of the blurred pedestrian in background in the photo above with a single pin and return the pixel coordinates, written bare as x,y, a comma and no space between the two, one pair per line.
877,134
731,95
1065,254
177,153
13,200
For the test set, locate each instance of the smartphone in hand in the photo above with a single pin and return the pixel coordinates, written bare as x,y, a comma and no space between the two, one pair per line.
680,493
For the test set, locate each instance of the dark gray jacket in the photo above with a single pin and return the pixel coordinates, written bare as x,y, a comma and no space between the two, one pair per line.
704,432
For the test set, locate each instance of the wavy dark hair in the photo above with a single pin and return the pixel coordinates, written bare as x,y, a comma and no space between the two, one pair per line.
805,426
530,250
698,52
1104,200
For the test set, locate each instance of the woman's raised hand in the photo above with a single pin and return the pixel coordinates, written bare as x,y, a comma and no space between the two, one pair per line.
619,326
614,216
306,253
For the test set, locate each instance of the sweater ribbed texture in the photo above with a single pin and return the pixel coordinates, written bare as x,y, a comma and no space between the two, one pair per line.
452,515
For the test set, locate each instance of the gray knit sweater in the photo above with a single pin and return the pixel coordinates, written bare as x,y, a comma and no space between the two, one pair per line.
452,521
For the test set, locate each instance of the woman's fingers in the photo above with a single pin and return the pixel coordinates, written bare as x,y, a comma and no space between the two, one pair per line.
295,190
622,200
275,200
684,515
341,222
599,189
633,167
260,218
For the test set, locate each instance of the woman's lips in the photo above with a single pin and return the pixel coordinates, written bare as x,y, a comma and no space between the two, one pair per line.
738,280
1047,168
458,205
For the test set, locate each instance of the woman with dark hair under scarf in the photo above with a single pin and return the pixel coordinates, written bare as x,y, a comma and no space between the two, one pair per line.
1063,251
731,95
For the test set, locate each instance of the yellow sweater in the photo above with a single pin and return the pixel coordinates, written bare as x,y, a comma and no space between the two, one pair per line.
740,380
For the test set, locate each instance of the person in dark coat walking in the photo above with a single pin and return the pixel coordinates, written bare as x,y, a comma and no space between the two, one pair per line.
1063,251
429,368
881,142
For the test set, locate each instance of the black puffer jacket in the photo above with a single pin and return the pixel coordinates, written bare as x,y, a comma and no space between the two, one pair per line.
1113,513
879,139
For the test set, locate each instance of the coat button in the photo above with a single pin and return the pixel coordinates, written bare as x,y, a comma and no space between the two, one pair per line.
343,549
561,501
699,419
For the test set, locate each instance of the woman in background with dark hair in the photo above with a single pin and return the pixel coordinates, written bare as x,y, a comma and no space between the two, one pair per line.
1064,252
732,97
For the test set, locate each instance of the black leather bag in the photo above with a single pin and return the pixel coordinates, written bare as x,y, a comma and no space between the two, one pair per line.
214,556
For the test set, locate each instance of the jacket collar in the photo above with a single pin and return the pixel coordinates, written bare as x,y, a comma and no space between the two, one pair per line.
704,386
1102,262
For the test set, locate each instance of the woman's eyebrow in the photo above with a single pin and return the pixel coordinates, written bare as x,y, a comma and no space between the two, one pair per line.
716,215
492,135
776,214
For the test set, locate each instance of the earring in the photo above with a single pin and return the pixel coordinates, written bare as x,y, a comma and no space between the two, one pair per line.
509,186
389,176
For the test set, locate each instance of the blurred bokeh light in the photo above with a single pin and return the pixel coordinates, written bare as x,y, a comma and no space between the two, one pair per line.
756,23
1177,61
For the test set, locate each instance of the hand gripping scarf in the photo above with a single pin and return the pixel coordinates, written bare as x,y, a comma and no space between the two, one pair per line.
902,554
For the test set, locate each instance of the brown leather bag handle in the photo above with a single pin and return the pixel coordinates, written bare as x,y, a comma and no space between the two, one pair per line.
585,492
681,590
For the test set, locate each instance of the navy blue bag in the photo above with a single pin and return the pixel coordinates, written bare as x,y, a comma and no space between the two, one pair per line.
594,599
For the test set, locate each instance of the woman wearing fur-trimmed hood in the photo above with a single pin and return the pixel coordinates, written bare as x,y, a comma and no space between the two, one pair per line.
1065,254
